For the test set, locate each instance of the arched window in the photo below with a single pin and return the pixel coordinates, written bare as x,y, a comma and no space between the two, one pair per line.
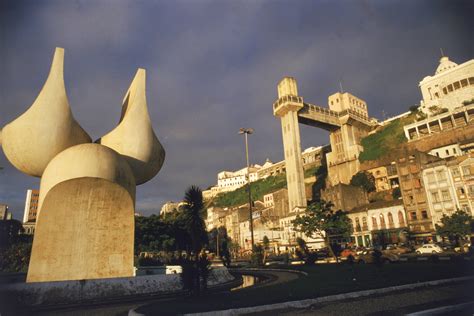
401,220
390,220
364,223
374,223
357,225
382,222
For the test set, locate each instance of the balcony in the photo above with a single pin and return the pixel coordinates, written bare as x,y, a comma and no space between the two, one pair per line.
287,103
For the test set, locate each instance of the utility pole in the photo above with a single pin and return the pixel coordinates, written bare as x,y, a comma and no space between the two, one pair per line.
248,131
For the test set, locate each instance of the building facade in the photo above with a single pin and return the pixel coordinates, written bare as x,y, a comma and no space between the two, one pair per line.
31,206
449,87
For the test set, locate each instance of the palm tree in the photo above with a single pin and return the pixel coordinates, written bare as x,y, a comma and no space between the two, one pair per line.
194,222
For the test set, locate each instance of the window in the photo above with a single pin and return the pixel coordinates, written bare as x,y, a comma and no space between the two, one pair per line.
455,172
471,189
450,88
445,91
430,176
471,80
390,218
447,152
466,170
466,208
401,221
364,223
424,214
413,216
435,196
446,196
374,222
457,85
382,221
357,225
441,175
464,83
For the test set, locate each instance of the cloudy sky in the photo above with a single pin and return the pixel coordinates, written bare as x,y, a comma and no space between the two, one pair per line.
213,66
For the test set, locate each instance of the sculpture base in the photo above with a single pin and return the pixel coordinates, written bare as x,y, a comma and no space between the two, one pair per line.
85,231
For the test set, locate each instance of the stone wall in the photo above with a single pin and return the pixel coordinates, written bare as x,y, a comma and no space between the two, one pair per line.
76,292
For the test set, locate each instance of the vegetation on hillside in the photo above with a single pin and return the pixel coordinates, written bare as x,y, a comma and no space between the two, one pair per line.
258,189
385,140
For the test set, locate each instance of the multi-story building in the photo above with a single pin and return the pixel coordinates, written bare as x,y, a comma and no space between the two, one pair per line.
451,85
31,206
462,173
447,151
409,168
170,207
440,190
5,214
379,223
339,195
231,180
458,118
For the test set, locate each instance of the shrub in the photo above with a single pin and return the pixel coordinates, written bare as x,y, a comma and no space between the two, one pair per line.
257,255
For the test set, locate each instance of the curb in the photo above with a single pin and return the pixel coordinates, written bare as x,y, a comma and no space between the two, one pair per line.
270,270
309,302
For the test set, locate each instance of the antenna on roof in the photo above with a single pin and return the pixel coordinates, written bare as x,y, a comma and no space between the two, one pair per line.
340,86
442,53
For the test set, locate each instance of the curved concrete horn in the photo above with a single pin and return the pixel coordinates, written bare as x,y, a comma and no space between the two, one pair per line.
46,128
134,137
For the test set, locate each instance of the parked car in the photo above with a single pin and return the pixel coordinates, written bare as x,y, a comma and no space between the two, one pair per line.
323,253
369,256
398,249
347,252
429,248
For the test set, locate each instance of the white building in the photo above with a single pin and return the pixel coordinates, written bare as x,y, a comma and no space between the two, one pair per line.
447,151
31,206
440,191
231,180
378,223
449,87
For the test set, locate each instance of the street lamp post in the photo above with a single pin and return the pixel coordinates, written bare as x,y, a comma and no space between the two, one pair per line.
247,131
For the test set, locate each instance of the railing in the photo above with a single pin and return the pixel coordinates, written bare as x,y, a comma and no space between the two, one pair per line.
287,98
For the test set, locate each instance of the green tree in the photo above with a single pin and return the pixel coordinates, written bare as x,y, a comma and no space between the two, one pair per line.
219,243
455,227
414,108
266,248
364,180
396,193
193,219
15,247
321,221
194,224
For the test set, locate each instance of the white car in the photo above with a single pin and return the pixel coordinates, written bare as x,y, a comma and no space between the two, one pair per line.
429,248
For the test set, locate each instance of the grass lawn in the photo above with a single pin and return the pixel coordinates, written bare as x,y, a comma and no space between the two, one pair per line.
322,280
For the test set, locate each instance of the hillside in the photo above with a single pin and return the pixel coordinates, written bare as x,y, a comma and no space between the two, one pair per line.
259,189
385,140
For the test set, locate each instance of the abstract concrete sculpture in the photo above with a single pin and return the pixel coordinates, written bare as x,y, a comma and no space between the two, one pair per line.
85,222
46,128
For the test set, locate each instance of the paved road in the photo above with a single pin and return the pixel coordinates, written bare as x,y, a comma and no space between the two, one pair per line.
400,303
122,309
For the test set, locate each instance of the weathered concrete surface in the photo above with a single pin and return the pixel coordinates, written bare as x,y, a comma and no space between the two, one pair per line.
46,128
134,137
87,160
85,231
75,292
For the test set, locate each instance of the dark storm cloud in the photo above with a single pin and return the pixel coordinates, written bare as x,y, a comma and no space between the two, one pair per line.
213,66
